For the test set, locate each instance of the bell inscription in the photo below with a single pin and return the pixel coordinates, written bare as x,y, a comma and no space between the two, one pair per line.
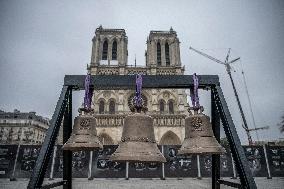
196,123
85,122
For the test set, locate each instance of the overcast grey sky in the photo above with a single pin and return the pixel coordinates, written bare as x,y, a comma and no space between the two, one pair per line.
41,41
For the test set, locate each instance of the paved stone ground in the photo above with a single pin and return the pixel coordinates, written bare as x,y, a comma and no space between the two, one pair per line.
186,183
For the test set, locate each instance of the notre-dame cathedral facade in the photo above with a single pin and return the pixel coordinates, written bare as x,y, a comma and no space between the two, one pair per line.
168,107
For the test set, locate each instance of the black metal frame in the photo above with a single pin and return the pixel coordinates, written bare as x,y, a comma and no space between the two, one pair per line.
103,82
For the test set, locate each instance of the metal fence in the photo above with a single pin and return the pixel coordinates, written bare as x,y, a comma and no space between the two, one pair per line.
264,161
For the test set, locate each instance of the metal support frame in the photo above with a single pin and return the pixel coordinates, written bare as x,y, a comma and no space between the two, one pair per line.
241,163
52,185
52,163
234,167
67,155
228,183
215,120
267,163
104,82
38,173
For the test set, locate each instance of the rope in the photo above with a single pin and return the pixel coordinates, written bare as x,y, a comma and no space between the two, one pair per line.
250,105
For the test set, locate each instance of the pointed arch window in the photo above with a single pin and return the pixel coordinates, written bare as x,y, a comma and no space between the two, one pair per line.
106,139
170,138
105,49
171,107
112,107
101,107
159,58
167,53
114,51
162,106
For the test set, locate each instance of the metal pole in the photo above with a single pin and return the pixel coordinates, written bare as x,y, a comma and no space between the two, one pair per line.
267,163
90,166
52,164
126,171
240,106
163,165
13,178
198,168
234,168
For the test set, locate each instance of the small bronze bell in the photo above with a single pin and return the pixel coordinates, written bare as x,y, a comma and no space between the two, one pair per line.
84,134
138,141
199,137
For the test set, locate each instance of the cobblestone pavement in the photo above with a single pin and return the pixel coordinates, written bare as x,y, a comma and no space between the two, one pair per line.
185,183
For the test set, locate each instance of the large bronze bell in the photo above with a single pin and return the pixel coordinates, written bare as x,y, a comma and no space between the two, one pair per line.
138,141
84,134
199,137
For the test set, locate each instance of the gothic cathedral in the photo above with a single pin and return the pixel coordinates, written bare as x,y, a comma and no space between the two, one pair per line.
168,107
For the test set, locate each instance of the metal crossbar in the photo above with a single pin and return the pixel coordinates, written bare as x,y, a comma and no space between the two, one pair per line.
228,183
106,82
53,184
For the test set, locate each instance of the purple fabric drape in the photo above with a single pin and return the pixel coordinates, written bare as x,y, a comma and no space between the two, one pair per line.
138,98
88,92
194,92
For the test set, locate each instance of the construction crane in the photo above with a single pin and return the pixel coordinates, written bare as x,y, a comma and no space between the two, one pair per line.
227,64
250,107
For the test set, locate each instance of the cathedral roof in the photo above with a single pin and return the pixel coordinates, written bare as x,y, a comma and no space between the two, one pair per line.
100,29
171,32
23,115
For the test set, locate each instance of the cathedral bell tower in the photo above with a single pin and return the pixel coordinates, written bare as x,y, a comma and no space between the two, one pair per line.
163,49
109,47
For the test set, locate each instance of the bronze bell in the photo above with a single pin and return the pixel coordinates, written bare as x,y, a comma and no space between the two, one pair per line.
84,134
199,137
138,141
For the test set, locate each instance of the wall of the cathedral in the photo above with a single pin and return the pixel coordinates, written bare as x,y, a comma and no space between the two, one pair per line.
152,99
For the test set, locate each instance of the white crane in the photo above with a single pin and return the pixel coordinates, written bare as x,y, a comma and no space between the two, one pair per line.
227,64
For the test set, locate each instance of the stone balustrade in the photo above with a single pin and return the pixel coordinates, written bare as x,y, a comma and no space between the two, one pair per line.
108,70
169,120
109,120
130,70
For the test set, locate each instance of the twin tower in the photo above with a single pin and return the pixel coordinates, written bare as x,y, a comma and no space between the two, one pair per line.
110,48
